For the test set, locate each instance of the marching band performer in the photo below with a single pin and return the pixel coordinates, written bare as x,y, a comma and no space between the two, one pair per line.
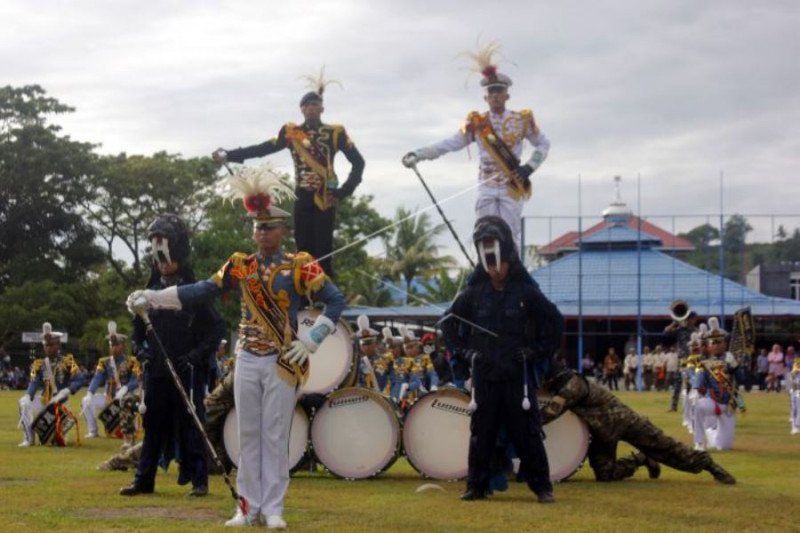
392,369
368,348
120,374
313,146
441,366
691,364
271,360
57,377
715,412
422,375
794,391
190,334
509,330
505,180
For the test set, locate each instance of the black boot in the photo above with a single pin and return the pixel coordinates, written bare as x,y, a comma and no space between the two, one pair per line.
720,474
473,494
545,497
134,489
653,468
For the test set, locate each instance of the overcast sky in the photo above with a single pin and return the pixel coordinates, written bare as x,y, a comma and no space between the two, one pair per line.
676,91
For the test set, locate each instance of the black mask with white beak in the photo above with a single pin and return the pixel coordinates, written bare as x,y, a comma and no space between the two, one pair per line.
489,254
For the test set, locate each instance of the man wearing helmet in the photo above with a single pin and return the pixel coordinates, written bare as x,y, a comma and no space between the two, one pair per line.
189,335
508,331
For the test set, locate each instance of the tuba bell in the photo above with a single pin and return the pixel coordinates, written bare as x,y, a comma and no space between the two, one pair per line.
679,310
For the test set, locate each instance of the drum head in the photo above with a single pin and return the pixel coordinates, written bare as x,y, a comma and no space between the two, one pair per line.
436,434
298,436
566,443
332,364
356,433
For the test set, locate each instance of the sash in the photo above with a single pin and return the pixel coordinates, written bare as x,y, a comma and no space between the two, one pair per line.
316,161
48,381
499,151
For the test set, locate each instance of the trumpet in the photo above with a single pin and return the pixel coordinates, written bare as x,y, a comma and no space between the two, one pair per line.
679,311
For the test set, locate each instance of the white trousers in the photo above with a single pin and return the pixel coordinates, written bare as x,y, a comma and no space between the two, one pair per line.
795,408
27,415
91,405
264,406
496,201
712,430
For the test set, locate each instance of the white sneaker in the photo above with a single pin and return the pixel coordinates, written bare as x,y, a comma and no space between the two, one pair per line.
275,522
241,520
795,431
24,444
90,435
699,448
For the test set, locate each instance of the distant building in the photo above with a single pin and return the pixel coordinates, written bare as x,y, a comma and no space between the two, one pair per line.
781,280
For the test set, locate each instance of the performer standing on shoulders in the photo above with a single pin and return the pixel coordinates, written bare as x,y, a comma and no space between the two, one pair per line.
506,327
271,360
120,374
313,146
189,335
505,181
57,377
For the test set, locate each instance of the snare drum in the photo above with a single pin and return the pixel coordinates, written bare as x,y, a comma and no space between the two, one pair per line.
110,416
566,443
436,434
44,425
356,433
333,364
298,437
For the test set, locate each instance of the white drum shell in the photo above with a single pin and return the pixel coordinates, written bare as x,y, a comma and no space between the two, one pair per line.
332,364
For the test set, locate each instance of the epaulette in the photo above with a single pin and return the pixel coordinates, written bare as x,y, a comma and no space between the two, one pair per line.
473,121
528,121
69,363
236,266
101,364
134,366
308,274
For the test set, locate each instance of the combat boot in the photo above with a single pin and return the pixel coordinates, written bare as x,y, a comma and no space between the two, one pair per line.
653,468
473,494
134,489
720,474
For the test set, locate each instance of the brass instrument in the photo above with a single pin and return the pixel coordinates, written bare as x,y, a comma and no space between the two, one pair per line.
743,336
679,311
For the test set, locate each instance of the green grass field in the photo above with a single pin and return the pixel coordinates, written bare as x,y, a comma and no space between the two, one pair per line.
59,489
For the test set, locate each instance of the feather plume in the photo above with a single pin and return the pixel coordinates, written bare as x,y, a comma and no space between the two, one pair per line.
387,334
112,328
363,323
256,187
318,83
47,328
485,58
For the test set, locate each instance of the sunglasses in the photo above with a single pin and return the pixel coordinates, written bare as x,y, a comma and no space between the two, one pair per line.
268,226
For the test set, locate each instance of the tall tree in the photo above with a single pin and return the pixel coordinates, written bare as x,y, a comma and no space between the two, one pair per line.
42,180
128,191
411,249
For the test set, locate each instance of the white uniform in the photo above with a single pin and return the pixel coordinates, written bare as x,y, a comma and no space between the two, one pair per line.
714,423
794,391
493,196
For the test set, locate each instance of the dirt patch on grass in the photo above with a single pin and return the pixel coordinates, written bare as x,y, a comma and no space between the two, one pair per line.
169,513
7,482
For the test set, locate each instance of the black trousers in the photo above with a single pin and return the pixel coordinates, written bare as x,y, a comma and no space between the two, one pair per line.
167,422
500,405
313,229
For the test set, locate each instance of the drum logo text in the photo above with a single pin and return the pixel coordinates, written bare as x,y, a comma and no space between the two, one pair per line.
450,408
349,400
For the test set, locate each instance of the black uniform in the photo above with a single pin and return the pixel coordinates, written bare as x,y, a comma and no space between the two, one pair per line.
313,227
527,325
189,336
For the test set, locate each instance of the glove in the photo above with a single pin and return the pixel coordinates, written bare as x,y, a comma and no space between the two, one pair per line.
137,303
121,392
524,354
219,156
552,409
297,353
182,364
144,356
61,396
197,358
410,159
523,172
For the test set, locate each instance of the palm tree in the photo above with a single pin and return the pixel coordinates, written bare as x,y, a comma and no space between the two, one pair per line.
411,250
443,287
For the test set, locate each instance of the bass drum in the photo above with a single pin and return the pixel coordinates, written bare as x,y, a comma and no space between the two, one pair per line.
436,434
298,437
566,443
333,364
356,433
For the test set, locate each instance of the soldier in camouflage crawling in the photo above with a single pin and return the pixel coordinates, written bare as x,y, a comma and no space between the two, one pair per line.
611,421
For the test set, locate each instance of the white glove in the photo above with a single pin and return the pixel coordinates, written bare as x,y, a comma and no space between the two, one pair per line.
137,303
121,392
297,353
61,396
219,155
313,337
410,159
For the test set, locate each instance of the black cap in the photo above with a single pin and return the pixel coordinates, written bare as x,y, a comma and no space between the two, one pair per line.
309,97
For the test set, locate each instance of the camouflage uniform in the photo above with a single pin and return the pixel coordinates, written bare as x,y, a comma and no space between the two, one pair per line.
127,458
218,404
611,421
